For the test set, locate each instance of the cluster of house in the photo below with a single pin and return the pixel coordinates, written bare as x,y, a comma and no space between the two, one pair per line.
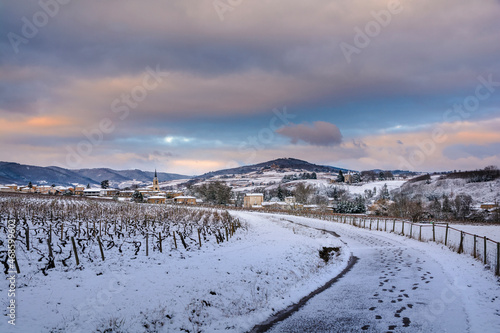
256,200
151,194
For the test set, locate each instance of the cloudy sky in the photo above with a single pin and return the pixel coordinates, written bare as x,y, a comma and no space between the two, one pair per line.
190,86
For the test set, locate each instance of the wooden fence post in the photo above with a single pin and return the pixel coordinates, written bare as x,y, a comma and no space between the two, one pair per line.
377,223
385,222
475,246
485,254
420,234
147,247
403,228
175,240
411,229
74,250
461,246
394,226
199,236
498,259
433,232
100,247
446,235
62,231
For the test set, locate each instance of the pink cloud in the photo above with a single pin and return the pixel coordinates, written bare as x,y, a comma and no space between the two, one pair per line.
319,133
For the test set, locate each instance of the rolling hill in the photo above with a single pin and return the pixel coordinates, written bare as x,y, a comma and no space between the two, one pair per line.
22,174
280,163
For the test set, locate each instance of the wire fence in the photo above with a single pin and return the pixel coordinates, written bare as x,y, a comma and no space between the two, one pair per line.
481,248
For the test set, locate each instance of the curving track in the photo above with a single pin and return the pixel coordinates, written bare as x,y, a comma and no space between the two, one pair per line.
391,288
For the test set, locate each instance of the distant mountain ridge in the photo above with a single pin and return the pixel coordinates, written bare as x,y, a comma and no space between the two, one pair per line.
280,163
22,174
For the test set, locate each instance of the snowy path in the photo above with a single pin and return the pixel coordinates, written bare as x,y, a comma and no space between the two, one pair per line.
394,288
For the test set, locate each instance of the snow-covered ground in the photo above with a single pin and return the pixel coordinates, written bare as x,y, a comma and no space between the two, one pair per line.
401,285
219,287
360,189
269,264
482,192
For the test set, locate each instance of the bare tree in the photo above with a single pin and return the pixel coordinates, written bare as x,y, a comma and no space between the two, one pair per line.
303,192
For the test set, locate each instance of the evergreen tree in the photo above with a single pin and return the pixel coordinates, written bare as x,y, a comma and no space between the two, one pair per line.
88,185
280,194
137,196
340,177
446,204
384,193
105,184
30,185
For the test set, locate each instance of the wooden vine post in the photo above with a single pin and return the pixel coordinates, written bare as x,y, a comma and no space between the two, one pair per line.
27,232
100,247
74,250
159,239
50,248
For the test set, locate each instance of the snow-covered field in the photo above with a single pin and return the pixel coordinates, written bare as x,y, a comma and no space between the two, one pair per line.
490,231
219,287
480,192
271,262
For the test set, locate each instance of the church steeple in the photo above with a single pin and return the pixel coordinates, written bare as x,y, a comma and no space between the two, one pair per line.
156,186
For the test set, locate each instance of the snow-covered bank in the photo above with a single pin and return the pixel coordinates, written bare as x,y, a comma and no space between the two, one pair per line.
218,287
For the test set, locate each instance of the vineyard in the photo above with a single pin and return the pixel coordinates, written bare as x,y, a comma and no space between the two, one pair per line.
71,232
89,265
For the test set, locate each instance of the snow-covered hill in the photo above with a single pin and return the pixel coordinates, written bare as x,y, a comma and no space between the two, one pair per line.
481,192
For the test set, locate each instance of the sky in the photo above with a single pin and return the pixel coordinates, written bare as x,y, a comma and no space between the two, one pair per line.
191,86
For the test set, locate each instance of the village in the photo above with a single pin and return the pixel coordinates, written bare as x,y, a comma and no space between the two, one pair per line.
272,190
151,194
